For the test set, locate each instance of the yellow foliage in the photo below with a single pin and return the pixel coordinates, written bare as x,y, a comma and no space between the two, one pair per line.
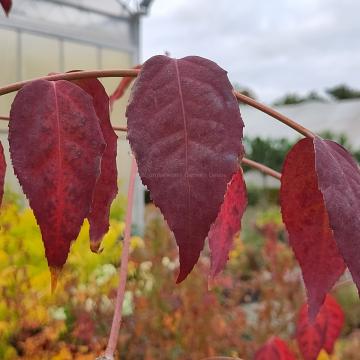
323,355
26,301
238,248
64,354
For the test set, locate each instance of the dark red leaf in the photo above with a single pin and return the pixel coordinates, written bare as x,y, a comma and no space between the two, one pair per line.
185,128
274,349
6,4
227,224
106,186
323,332
119,92
306,219
2,172
56,146
339,181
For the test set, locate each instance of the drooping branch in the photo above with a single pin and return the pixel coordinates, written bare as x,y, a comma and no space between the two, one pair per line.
75,75
263,168
275,114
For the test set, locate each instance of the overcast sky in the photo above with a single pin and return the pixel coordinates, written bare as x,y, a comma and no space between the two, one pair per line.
271,46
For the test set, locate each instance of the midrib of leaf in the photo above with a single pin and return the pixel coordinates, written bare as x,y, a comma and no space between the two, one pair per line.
186,144
60,183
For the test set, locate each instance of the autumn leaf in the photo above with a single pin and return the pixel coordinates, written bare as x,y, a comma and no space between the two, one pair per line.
274,349
227,223
339,182
322,332
307,222
185,129
106,185
334,324
58,161
6,4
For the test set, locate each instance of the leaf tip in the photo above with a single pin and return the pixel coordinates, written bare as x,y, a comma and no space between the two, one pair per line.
312,313
54,273
95,246
183,273
181,277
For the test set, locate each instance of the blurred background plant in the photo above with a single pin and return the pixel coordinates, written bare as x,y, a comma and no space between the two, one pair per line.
258,295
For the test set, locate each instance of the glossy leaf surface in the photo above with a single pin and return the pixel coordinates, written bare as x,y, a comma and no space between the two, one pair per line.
323,332
227,224
2,172
339,182
57,162
306,219
274,349
106,185
6,5
185,129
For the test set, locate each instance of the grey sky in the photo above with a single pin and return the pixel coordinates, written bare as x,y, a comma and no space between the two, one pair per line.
271,46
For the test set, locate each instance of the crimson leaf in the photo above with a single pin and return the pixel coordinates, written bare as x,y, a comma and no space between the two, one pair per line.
185,129
58,160
307,222
6,4
334,323
274,349
339,181
323,332
228,223
106,185
2,172
310,335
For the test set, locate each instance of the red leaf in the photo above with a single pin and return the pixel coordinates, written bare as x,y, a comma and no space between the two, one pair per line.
106,185
274,349
2,172
339,181
307,222
310,336
227,224
6,4
185,128
56,147
323,332
122,87
335,322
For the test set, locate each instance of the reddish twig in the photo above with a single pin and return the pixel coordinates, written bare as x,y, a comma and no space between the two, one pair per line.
273,113
116,323
120,128
263,168
72,76
121,88
134,72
